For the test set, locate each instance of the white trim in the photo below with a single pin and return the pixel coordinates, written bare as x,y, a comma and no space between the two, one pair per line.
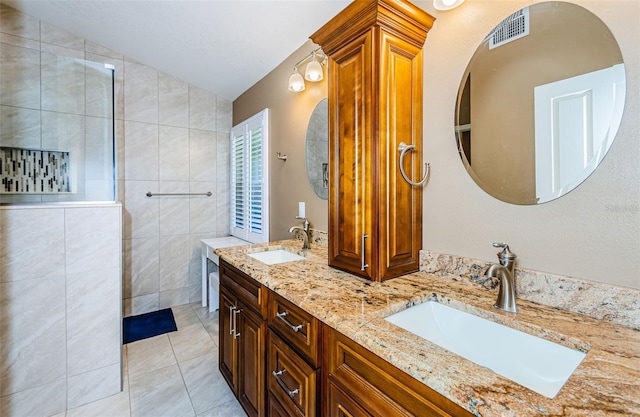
259,120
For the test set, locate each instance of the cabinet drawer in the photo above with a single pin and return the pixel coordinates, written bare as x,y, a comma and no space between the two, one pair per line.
383,388
247,289
341,405
296,327
291,380
274,409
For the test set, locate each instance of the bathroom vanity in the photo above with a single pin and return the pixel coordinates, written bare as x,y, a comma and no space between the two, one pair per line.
311,369
347,360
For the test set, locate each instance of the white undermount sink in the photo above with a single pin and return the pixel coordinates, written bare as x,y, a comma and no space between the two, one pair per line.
535,363
276,256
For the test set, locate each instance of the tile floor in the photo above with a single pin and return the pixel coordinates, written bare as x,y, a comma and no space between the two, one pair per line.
172,375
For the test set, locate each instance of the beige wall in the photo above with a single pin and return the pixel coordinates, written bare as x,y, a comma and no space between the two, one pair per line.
289,117
591,233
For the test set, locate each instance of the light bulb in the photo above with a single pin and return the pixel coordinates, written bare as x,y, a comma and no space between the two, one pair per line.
313,72
296,82
446,4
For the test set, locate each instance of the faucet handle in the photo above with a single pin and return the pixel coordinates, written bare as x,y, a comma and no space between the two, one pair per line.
506,255
501,245
305,223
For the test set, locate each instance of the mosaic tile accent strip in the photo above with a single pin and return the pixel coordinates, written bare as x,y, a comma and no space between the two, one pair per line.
29,171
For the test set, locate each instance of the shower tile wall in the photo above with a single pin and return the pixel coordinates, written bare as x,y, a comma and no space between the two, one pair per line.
171,137
60,290
49,101
175,141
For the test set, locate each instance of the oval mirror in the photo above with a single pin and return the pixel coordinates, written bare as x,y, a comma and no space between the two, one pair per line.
318,150
540,103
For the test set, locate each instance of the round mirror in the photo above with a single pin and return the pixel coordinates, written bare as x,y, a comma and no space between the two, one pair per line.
540,103
318,150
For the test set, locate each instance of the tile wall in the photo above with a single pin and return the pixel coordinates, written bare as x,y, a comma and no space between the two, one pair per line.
172,137
60,309
49,99
175,141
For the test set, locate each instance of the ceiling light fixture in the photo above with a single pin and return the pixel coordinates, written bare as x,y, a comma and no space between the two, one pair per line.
446,4
313,71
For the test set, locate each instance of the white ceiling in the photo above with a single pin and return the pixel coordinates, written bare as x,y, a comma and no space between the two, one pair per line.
224,46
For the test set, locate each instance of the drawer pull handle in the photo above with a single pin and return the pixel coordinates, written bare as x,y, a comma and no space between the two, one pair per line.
283,385
363,264
235,323
282,316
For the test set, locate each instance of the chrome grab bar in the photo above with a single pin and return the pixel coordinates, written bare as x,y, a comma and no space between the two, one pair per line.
150,194
282,384
282,316
403,148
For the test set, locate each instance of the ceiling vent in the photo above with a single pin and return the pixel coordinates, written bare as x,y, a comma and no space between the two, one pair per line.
513,27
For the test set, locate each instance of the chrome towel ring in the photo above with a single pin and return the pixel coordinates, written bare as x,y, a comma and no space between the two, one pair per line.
403,148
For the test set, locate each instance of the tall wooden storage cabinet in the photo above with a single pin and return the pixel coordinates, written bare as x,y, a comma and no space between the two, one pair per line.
375,102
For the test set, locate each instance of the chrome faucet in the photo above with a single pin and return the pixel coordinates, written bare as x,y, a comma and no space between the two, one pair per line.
305,232
507,274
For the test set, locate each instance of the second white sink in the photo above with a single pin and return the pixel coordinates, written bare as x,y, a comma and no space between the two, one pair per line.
277,256
535,363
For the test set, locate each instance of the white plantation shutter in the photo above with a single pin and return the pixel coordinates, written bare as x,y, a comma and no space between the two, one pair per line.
237,181
249,179
255,182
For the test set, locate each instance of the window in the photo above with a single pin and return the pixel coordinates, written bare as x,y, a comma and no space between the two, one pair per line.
249,179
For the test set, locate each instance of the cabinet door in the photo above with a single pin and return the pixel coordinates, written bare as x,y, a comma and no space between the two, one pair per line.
228,361
251,331
400,107
352,201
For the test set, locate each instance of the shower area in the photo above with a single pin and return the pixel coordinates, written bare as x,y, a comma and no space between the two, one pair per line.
60,232
57,128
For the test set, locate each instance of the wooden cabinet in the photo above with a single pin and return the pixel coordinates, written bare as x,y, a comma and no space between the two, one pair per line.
298,328
293,366
280,361
340,404
375,102
360,383
242,338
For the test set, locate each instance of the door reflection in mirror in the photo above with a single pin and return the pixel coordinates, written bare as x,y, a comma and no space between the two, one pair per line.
515,129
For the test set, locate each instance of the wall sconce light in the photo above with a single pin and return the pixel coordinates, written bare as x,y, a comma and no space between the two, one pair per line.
446,4
296,82
313,72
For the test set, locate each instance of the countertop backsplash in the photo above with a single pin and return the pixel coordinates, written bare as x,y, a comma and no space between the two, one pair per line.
599,300
595,299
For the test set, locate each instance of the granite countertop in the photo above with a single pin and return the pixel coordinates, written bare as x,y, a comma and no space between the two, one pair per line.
607,382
